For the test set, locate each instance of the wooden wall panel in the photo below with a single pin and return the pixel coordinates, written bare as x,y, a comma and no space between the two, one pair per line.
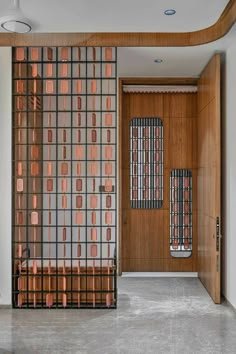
209,171
144,241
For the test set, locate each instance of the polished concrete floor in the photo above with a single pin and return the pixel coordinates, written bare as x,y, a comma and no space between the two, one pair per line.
154,315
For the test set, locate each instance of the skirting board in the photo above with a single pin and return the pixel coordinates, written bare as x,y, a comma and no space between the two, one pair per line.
160,274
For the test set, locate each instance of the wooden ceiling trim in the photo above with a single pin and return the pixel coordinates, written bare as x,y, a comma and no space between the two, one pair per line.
135,39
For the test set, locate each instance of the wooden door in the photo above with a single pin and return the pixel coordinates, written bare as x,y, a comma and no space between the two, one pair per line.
145,232
209,178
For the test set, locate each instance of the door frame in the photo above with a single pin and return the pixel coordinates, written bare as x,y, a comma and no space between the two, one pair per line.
136,81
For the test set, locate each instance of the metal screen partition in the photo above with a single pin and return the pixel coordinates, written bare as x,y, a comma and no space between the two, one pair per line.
181,213
64,177
146,163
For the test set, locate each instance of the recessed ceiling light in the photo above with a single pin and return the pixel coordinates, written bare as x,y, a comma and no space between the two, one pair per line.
158,61
170,12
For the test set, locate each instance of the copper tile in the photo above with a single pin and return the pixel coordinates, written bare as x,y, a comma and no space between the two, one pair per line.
93,201
94,119
64,54
79,103
93,86
79,86
49,136
108,103
93,250
79,217
79,54
108,135
19,103
34,218
93,217
34,169
93,234
108,152
64,86
79,152
64,70
93,152
108,234
20,248
49,86
64,185
64,152
108,201
34,53
64,234
20,54
35,267
79,119
64,168
94,168
20,86
34,71
64,202
79,168
79,201
79,251
108,217
34,152
49,168
49,54
108,185
108,70
108,168
93,135
108,119
34,201
108,53
79,185
19,168
49,70
20,185
94,54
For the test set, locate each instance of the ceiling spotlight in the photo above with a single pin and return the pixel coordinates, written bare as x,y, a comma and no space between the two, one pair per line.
170,12
158,61
15,21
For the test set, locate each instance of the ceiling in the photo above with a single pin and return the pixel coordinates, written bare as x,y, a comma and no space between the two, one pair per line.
177,61
118,16
132,15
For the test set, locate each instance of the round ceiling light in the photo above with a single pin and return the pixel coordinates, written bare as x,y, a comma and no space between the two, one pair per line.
158,61
15,21
170,12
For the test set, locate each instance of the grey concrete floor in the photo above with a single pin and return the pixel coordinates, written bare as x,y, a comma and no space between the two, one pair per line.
154,315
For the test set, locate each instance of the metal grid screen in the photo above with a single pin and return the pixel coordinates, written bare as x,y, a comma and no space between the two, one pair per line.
181,213
64,177
146,163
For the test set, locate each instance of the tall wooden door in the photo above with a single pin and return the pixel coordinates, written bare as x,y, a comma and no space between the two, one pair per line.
209,178
165,124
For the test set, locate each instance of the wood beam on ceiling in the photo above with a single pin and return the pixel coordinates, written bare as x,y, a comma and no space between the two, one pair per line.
126,39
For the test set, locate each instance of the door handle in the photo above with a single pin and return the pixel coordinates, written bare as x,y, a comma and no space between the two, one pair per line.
217,234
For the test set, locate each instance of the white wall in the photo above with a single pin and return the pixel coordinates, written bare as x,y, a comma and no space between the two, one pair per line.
229,175
5,176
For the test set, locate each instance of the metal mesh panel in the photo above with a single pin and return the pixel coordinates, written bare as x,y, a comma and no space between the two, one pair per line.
64,177
181,213
146,163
